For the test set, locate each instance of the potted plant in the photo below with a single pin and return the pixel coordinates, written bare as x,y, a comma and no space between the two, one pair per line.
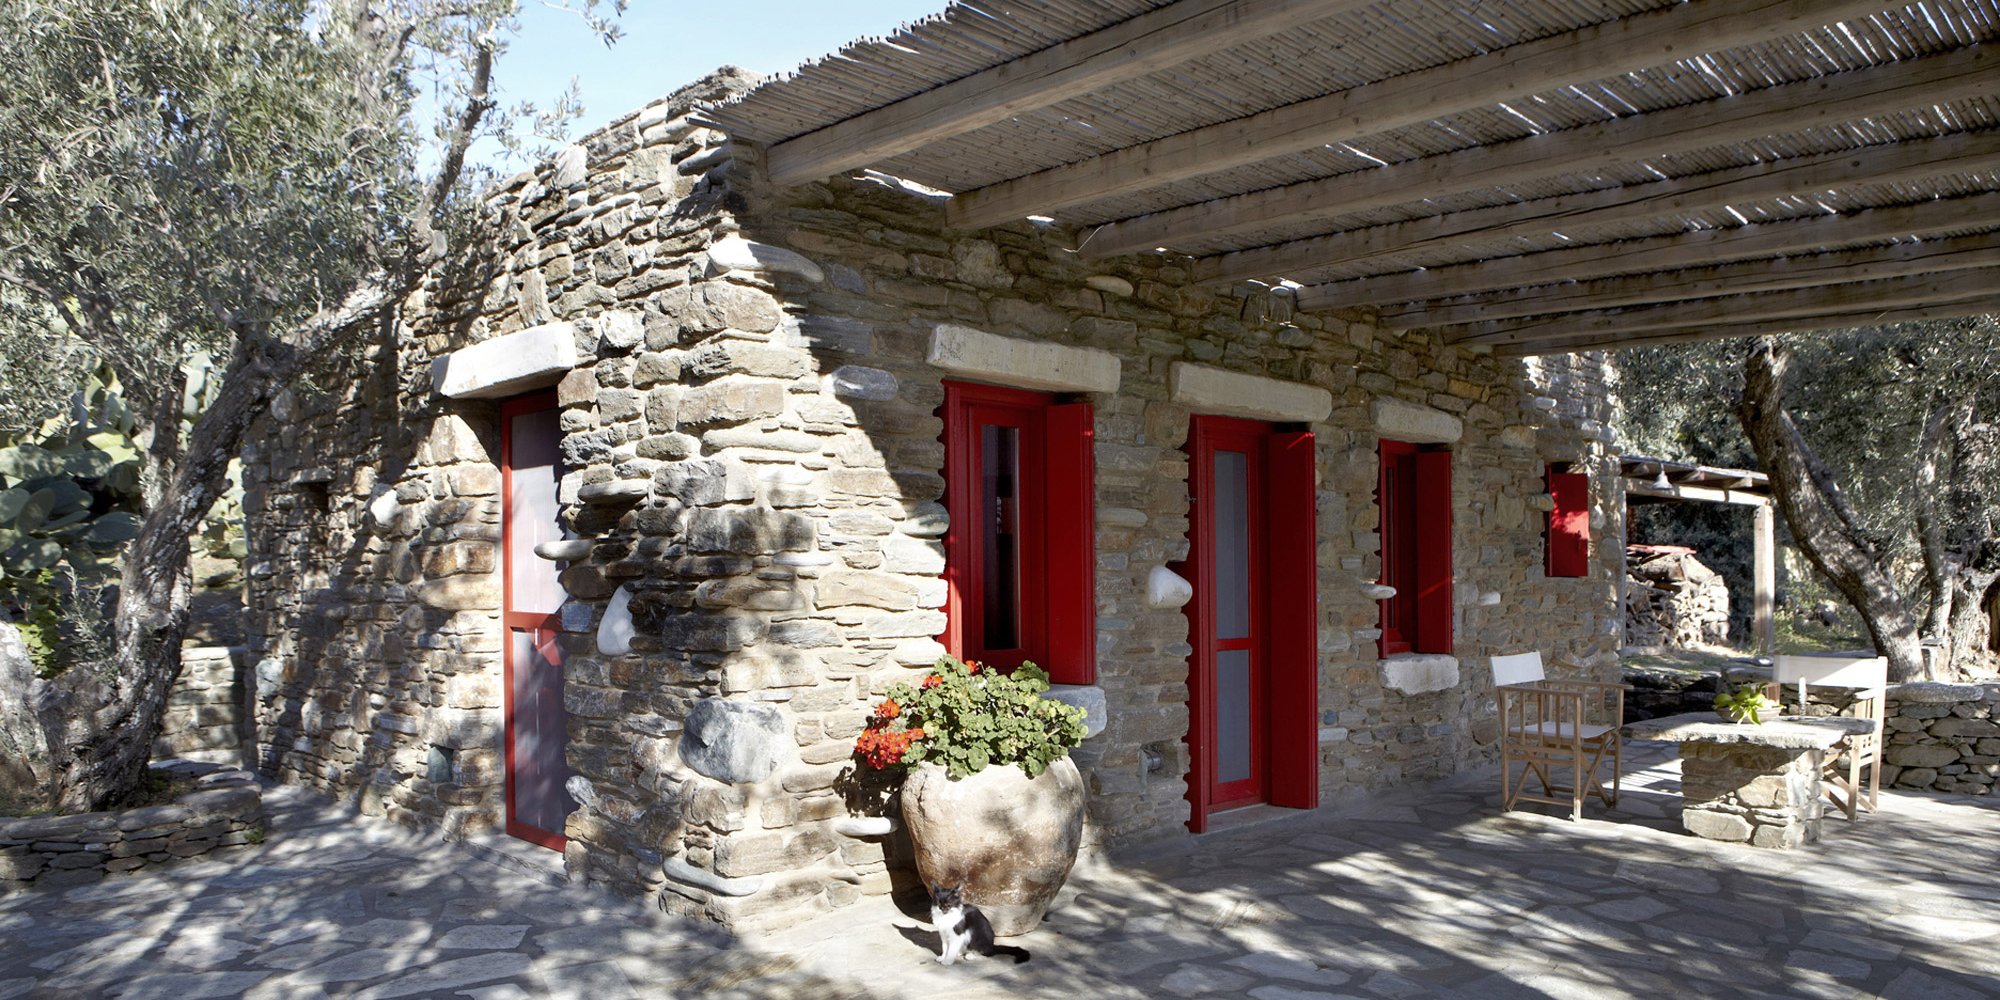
1745,703
992,801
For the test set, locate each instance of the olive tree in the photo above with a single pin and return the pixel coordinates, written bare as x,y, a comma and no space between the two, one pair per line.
1883,457
263,181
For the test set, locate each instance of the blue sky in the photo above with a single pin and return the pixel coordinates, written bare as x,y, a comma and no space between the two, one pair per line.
671,42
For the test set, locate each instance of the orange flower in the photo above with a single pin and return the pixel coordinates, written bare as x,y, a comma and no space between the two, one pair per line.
888,709
932,681
972,666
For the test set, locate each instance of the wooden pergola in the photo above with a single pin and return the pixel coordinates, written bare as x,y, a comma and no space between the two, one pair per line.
1530,176
1654,480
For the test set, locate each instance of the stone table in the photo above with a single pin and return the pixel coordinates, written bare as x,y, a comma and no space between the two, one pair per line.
1758,784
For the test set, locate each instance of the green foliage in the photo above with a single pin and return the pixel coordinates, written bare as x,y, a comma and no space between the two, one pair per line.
1744,703
968,717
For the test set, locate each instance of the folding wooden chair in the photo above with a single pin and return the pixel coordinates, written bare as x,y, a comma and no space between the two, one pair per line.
1550,724
1869,677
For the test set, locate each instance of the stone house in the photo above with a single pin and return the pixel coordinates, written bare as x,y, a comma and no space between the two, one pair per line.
614,535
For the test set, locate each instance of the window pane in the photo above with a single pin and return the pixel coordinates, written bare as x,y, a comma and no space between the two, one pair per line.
1232,545
535,466
999,512
540,732
1232,715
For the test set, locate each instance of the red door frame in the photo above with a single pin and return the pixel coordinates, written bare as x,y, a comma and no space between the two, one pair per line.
512,621
1284,611
971,408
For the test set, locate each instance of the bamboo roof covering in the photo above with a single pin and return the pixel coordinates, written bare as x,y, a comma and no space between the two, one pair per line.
1534,176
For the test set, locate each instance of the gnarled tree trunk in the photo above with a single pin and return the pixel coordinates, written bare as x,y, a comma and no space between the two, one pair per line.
1820,518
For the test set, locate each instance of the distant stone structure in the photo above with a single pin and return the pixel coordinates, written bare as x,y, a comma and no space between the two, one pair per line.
1672,600
748,383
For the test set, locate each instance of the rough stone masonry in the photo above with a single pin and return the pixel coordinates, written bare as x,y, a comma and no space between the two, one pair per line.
749,381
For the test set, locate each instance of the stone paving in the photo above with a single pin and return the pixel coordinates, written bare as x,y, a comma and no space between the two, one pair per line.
1423,892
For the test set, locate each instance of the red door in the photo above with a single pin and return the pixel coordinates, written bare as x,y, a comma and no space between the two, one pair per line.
536,725
1252,681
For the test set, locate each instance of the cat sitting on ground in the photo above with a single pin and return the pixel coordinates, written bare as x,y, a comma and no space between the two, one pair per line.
960,925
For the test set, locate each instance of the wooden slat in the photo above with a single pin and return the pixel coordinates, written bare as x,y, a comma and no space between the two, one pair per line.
1698,493
1805,271
1778,110
1569,343
1660,253
1155,40
1913,290
1618,46
1883,164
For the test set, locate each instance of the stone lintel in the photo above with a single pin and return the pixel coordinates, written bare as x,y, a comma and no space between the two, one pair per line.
1028,364
1420,673
508,365
1400,421
1205,389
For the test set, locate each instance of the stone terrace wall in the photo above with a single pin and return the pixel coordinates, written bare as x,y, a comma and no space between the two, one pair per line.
752,432
226,809
1943,737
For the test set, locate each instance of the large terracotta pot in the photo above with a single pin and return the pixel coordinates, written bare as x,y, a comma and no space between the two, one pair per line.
1008,841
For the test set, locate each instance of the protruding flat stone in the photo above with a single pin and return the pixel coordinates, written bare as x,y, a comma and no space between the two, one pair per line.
1030,364
681,871
1401,421
864,826
734,253
510,364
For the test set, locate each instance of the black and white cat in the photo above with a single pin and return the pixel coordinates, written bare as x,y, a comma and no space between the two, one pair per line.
960,926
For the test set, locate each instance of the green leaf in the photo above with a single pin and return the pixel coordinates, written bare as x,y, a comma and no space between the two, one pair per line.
30,556
11,504
115,528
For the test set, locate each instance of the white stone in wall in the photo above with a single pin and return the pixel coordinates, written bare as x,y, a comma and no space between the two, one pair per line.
1167,589
565,549
614,633
864,826
1110,284
581,790
1401,421
504,366
1205,389
1377,591
1028,364
1489,599
734,253
383,507
570,167
687,874
1420,673
623,328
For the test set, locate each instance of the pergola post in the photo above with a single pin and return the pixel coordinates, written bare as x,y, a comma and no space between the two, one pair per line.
1764,619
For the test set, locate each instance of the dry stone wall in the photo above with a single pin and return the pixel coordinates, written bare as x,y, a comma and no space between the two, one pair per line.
206,715
225,809
749,381
1943,737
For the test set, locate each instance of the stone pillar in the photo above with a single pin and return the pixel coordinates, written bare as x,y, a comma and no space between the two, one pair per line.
1764,622
1760,795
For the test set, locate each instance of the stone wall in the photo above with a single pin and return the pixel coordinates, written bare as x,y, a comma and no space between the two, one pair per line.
1943,737
225,809
207,713
750,411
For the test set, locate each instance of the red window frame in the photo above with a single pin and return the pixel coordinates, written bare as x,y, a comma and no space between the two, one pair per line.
1567,540
1413,495
544,627
1054,522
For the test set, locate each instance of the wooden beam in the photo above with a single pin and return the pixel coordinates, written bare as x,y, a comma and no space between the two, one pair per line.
1153,41
1698,493
1884,164
1778,110
1622,45
1775,274
1556,343
1660,253
1913,290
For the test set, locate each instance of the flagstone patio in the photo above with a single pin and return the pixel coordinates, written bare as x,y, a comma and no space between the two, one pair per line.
1417,892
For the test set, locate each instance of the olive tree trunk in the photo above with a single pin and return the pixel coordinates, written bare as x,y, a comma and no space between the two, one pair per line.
1821,521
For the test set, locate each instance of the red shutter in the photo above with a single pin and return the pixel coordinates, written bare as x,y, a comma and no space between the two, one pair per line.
1569,524
1293,629
1433,544
1071,545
